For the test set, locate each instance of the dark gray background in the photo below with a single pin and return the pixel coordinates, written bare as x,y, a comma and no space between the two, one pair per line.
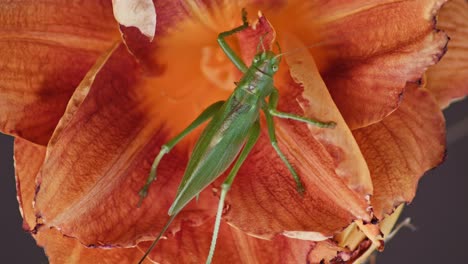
439,211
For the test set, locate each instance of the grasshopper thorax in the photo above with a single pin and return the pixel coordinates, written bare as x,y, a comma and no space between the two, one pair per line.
259,77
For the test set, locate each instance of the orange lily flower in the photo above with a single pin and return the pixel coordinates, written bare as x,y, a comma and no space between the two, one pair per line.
90,102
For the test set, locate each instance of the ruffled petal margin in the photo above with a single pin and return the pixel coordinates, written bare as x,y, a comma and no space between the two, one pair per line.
234,246
28,162
65,250
318,104
366,51
58,248
447,80
351,245
402,147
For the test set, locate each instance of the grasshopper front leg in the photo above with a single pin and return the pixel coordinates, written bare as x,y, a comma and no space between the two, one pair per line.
270,111
228,50
274,143
273,103
166,148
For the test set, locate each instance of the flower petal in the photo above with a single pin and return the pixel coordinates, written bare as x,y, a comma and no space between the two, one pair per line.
367,50
100,159
264,200
59,249
447,79
386,226
351,245
317,103
46,48
191,245
66,250
140,14
28,162
402,147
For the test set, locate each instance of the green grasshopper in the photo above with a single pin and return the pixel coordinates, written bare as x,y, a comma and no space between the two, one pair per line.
232,132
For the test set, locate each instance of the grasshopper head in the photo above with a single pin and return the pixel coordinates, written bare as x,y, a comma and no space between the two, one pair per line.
267,62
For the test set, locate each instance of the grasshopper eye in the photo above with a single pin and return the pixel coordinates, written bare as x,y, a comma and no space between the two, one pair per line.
256,59
274,68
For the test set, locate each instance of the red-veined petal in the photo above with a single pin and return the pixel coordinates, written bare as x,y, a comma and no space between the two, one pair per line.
447,80
402,147
367,50
100,158
45,50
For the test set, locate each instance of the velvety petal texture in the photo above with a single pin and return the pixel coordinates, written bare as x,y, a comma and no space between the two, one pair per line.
447,80
46,49
402,147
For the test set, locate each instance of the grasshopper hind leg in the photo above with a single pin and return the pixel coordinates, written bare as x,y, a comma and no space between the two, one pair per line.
158,238
253,136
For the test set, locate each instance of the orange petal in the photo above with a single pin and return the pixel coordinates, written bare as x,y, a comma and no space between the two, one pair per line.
28,162
447,79
386,226
65,250
191,245
100,159
45,50
367,50
140,14
59,249
328,252
351,245
402,147
317,103
264,200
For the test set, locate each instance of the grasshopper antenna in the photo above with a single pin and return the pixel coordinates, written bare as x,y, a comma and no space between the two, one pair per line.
318,44
261,42
158,238
279,49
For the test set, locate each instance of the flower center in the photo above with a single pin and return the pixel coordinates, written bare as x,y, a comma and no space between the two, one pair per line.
217,68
